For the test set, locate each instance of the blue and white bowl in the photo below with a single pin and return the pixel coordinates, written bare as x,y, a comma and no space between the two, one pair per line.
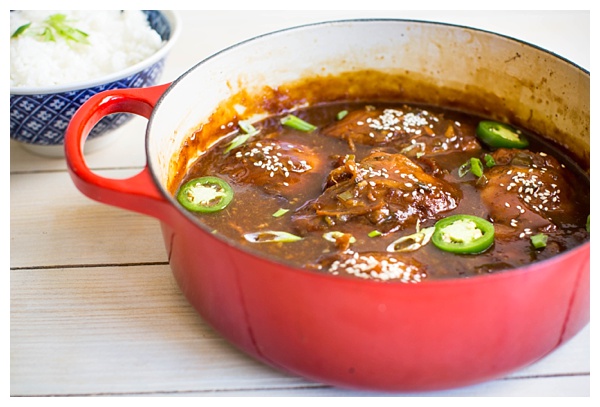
39,116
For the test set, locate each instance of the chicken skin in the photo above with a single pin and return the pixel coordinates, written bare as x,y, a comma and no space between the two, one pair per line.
388,191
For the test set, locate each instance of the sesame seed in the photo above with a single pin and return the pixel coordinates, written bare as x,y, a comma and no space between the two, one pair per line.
368,267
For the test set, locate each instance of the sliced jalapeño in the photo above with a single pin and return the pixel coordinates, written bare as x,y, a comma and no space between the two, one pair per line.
205,194
497,135
463,234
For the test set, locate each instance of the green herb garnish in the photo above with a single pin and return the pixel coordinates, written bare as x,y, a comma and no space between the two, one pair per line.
341,114
489,160
344,196
20,30
374,233
247,127
412,242
476,167
55,25
271,236
297,123
59,23
539,241
280,212
249,131
333,236
587,224
473,165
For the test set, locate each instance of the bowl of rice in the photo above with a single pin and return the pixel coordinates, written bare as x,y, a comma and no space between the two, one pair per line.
59,59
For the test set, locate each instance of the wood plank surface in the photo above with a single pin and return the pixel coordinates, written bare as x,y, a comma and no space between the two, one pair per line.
128,330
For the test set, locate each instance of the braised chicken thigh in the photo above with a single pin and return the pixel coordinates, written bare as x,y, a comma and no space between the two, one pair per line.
388,191
527,192
411,131
276,166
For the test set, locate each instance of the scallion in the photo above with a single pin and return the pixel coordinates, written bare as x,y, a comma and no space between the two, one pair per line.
236,142
249,131
587,224
489,160
476,167
55,25
59,23
464,169
333,236
247,127
297,123
47,35
280,212
344,196
341,114
412,242
473,165
271,236
20,30
539,241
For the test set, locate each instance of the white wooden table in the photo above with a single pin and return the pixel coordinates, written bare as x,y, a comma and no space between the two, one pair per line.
94,309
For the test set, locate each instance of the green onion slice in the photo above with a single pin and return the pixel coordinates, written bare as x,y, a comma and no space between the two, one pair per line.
464,169
489,160
249,131
280,212
20,30
374,233
539,241
59,23
419,239
344,196
587,224
297,123
341,114
47,35
55,25
271,236
333,236
236,142
247,127
476,167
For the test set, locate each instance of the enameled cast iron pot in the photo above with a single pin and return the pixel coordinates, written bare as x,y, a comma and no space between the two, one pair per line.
346,332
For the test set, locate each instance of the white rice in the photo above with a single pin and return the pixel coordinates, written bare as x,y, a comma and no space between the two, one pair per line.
118,40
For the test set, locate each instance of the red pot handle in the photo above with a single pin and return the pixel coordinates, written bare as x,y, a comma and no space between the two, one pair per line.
138,193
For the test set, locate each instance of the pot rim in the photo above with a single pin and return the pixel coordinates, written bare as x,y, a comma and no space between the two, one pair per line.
501,274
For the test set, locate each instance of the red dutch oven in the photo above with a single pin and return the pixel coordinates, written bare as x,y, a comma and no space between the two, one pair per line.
348,332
